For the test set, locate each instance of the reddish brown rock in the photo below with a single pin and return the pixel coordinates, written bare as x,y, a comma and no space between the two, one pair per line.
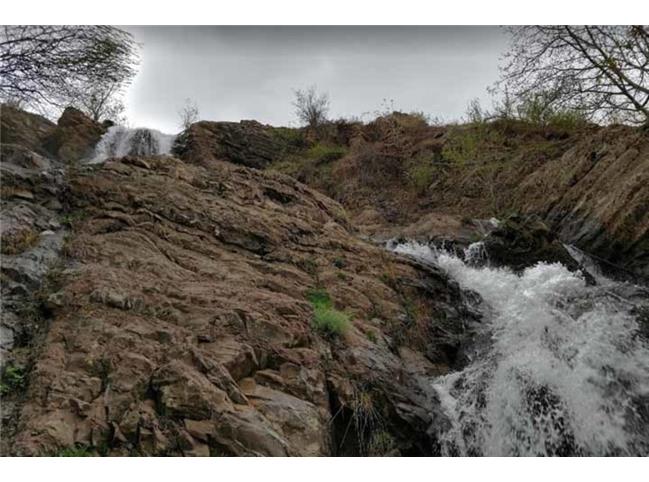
183,327
74,137
247,143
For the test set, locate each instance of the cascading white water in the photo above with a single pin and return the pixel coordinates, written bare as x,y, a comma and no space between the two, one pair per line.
565,372
122,141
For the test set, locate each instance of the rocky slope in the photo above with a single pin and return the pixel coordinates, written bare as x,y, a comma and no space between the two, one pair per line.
177,320
209,305
399,176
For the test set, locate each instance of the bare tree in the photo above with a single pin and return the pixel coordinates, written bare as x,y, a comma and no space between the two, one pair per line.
49,64
311,108
601,71
188,114
101,101
475,114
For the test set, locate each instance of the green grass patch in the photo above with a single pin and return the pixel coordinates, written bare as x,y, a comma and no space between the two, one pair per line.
322,153
327,319
289,136
78,451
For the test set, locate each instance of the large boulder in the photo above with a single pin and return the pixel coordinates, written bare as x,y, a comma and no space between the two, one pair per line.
247,143
75,136
520,242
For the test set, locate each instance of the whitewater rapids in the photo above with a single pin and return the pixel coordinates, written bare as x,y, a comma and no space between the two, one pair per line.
564,371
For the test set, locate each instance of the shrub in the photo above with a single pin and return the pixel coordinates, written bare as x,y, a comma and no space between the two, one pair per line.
375,165
463,145
567,120
539,109
326,318
475,114
321,153
290,136
331,321
421,175
311,108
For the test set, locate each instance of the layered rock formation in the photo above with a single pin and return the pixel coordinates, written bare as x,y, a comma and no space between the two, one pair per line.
178,322
71,139
247,143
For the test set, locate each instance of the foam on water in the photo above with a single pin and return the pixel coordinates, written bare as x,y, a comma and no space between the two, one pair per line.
566,371
122,141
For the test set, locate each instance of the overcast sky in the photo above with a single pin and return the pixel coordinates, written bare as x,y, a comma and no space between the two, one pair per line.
236,73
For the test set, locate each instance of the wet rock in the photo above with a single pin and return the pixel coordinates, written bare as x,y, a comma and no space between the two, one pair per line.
523,241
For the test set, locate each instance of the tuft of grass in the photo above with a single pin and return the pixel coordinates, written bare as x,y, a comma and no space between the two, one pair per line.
20,241
78,451
13,378
381,443
326,318
319,297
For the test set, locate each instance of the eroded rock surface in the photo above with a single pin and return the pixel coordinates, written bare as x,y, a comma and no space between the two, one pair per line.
32,192
183,327
247,143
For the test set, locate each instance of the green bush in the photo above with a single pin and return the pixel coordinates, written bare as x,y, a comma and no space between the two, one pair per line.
463,145
567,120
326,318
539,109
289,136
321,153
421,175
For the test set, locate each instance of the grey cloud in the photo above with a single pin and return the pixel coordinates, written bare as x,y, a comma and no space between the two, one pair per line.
238,73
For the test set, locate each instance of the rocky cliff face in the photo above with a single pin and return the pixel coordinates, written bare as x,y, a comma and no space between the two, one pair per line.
402,177
177,320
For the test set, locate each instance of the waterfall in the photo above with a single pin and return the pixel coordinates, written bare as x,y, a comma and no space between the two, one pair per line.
565,370
122,141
